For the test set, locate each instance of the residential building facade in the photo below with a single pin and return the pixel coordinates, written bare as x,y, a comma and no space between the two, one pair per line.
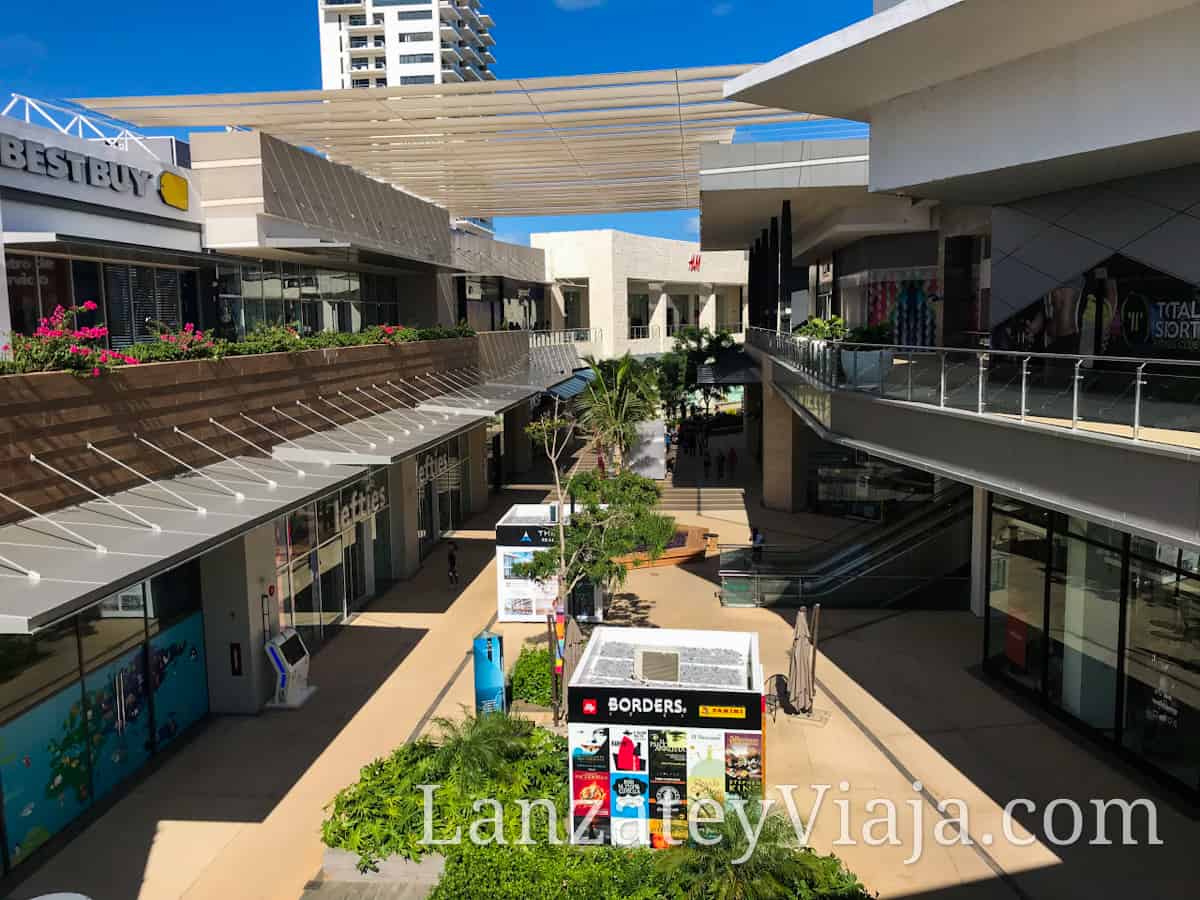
394,43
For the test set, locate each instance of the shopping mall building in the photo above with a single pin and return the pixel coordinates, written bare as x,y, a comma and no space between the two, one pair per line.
1021,233
160,523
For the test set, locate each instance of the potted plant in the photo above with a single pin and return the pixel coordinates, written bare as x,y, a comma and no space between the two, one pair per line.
868,366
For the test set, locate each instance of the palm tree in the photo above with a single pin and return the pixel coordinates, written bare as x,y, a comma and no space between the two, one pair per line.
622,395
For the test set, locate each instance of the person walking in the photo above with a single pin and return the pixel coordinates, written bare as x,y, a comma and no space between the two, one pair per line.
756,545
732,463
720,466
707,465
452,563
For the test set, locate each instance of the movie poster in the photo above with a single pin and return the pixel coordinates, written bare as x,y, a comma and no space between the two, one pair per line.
668,786
743,765
590,790
630,804
706,767
598,831
589,748
628,748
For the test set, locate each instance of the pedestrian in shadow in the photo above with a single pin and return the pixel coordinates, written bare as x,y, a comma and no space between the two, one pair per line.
756,545
452,563
707,465
732,463
720,466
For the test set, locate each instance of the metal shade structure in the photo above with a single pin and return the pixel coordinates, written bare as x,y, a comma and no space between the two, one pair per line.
532,146
56,564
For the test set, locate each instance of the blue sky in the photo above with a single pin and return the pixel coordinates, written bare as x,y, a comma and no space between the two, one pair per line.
151,47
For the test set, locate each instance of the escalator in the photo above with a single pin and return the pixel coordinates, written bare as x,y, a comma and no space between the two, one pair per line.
866,568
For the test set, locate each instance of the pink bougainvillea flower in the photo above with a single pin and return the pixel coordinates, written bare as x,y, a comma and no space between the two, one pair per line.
95,373
90,306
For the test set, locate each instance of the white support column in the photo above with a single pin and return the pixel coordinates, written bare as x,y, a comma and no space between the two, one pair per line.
234,579
708,309
406,546
981,554
477,442
658,320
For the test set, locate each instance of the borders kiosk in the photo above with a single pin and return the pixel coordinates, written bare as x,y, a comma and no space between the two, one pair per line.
289,658
660,722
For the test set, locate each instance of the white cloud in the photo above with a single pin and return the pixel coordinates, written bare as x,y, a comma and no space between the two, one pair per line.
722,9
576,5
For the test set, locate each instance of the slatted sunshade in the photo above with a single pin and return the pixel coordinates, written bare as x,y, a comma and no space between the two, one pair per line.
577,144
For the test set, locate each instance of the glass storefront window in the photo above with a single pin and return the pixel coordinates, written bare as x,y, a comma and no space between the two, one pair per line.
46,766
306,602
1162,670
1016,626
252,298
272,293
87,287
302,530
22,292
1085,612
328,518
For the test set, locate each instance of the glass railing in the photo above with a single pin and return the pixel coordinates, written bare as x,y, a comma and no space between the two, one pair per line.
642,332
865,592
1138,399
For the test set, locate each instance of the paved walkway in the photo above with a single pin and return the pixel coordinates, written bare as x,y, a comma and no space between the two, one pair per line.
236,813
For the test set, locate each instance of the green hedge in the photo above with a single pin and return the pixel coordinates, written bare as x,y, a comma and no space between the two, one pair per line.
561,872
491,756
533,677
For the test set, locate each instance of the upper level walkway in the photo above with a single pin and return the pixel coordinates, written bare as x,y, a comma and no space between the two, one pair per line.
1110,438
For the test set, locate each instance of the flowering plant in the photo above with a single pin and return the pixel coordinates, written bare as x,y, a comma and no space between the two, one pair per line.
188,342
60,342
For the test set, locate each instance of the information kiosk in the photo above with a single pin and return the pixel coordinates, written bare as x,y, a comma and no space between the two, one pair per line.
289,658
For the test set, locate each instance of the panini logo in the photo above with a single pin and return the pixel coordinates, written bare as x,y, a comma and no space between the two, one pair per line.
722,712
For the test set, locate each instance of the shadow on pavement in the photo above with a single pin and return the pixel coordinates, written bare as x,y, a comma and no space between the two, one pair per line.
922,666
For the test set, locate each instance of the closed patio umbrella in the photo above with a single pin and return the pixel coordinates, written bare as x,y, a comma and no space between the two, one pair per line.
801,685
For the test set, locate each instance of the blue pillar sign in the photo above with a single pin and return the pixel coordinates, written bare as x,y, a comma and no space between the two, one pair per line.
490,694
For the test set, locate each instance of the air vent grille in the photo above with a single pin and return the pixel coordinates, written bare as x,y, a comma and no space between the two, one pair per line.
657,665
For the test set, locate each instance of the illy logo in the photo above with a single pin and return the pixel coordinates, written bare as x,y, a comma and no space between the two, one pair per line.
589,707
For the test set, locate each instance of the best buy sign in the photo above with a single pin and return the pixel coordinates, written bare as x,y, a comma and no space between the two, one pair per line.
56,163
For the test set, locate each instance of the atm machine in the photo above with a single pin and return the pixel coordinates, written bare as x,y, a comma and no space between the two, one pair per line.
289,658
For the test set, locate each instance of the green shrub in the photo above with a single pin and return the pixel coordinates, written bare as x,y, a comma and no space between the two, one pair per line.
561,872
533,677
882,333
833,329
490,756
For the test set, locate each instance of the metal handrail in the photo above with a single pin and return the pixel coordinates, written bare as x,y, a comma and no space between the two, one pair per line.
978,351
821,361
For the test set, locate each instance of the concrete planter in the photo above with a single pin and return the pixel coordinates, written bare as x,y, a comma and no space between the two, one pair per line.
866,368
341,867
55,414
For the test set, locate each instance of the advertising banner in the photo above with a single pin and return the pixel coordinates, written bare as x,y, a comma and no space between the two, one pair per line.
666,707
668,786
743,765
522,599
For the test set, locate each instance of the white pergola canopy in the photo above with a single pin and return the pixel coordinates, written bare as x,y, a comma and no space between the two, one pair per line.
577,144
